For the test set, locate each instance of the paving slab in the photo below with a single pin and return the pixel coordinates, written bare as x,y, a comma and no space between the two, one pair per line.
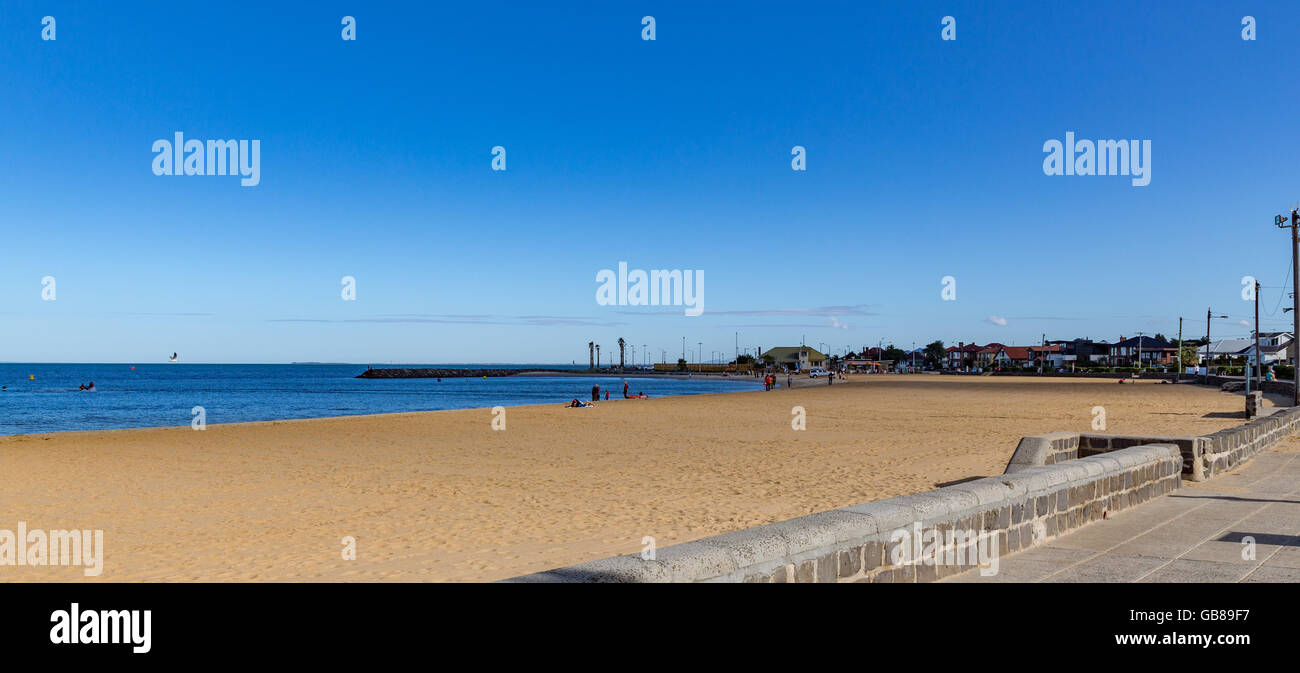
1229,551
1106,568
1287,557
1022,571
1195,534
1186,570
1267,574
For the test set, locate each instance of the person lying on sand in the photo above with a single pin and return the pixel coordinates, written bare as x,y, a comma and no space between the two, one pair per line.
576,403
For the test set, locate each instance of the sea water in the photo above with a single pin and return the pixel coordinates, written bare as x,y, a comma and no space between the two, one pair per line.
149,395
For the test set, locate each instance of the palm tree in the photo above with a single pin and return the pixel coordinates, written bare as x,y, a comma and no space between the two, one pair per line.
591,354
621,345
597,355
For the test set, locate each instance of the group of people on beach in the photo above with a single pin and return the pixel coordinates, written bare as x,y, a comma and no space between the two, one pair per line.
595,396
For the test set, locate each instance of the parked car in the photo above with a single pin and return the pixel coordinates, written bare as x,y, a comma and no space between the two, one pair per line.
814,372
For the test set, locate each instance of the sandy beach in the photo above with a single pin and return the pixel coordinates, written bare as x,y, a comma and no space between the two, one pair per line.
441,496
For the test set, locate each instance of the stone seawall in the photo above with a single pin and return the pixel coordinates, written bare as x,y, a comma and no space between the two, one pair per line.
861,543
1204,457
1139,376
1272,387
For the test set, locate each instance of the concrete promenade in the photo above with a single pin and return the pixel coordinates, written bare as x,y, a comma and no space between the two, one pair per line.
1191,535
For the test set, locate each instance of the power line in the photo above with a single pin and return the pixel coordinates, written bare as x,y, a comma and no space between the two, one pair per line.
1282,294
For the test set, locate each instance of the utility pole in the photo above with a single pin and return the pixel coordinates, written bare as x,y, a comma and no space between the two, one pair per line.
1280,221
1207,345
699,356
1258,365
1178,376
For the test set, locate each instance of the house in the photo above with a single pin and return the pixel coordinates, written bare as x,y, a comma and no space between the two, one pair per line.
1050,355
1010,356
1275,338
1144,351
960,356
1277,347
1271,355
1226,349
1083,352
986,355
1274,348
796,358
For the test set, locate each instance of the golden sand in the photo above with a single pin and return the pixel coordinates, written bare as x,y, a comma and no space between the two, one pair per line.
442,496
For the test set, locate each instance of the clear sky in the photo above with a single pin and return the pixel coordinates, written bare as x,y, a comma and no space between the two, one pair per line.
924,160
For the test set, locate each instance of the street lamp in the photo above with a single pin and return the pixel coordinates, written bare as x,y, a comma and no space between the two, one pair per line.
1208,315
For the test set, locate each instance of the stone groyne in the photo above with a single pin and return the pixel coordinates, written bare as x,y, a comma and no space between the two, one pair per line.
408,373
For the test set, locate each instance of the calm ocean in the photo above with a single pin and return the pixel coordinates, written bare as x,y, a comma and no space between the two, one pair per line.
164,394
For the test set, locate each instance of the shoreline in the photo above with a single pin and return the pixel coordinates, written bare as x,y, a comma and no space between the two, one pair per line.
612,398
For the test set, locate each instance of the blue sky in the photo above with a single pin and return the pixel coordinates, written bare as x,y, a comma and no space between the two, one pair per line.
924,160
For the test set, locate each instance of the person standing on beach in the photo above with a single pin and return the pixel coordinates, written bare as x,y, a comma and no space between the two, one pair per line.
789,381
625,389
595,393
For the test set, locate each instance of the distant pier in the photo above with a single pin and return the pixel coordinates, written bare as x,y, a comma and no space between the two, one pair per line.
409,373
